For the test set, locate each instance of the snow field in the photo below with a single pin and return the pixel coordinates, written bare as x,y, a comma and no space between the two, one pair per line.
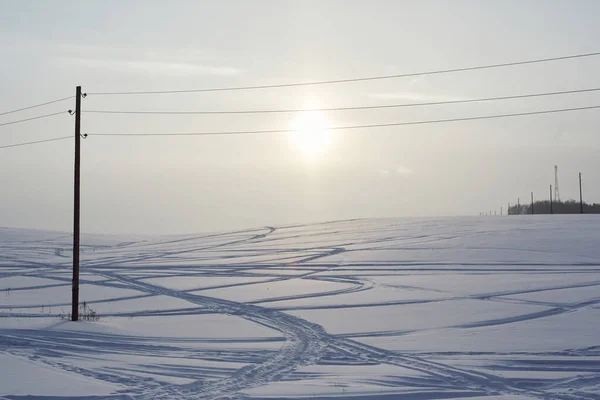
478,308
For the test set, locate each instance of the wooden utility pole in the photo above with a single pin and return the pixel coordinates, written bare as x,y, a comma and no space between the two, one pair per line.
551,211
76,189
580,196
532,202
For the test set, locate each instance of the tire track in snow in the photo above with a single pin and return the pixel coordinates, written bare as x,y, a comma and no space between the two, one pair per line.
153,255
306,343
457,377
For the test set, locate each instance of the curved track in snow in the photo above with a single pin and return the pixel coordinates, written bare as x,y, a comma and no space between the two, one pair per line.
305,343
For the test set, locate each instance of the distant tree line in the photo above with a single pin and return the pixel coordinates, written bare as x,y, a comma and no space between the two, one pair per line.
561,207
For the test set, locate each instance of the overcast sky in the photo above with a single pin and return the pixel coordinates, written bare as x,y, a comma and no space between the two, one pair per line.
192,184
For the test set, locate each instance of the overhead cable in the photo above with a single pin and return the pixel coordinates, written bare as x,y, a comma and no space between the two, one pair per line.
35,142
352,108
36,105
348,127
349,80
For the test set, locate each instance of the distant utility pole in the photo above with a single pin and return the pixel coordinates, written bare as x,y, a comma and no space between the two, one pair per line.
532,202
519,206
76,189
556,192
551,211
508,209
500,210
580,196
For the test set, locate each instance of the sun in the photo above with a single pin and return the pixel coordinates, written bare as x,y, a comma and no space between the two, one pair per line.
310,132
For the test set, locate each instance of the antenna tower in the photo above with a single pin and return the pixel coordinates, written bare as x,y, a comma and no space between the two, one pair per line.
556,192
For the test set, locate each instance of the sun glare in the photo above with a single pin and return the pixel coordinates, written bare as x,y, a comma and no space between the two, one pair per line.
311,132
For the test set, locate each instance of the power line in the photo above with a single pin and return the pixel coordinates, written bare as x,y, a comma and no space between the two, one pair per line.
37,105
32,118
35,142
370,78
437,121
521,96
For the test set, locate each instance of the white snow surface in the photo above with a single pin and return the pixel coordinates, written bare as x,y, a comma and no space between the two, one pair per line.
370,309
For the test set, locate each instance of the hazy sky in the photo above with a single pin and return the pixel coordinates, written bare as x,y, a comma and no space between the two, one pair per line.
188,184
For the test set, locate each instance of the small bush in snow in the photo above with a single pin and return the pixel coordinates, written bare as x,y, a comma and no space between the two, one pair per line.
86,313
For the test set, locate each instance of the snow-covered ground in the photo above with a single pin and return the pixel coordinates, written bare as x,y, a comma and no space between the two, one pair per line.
479,308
